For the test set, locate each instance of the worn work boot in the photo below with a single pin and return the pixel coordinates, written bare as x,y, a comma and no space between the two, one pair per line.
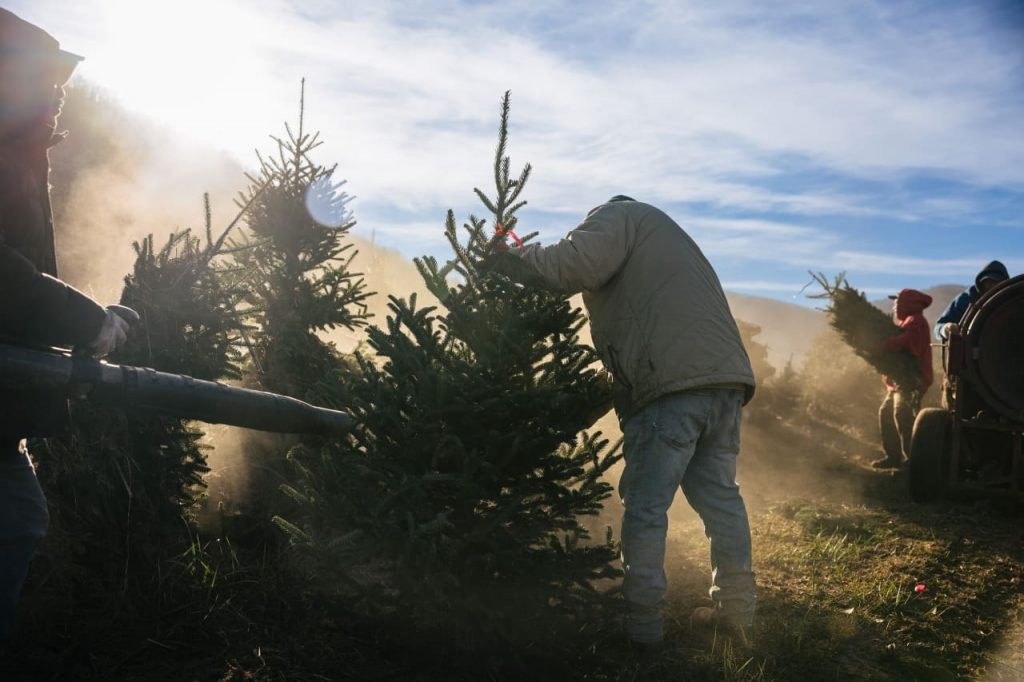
707,617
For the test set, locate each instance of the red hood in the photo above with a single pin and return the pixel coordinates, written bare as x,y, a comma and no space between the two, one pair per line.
911,302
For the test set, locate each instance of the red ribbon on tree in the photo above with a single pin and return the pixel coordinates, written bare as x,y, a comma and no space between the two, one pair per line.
502,232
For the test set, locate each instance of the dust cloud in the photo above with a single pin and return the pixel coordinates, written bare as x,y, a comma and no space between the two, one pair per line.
227,483
386,272
241,461
811,439
117,179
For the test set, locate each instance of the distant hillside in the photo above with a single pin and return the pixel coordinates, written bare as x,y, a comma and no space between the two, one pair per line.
786,328
942,295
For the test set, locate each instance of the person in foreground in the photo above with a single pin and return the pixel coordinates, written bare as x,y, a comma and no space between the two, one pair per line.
681,376
36,308
902,403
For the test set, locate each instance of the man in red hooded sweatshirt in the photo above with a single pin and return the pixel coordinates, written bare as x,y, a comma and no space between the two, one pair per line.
899,409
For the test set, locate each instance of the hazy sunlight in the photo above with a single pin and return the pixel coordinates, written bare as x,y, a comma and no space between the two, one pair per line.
179,62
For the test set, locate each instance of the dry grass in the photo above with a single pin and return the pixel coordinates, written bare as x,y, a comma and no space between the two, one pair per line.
837,571
838,600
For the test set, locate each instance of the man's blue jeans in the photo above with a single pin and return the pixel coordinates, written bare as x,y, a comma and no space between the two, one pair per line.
23,522
688,439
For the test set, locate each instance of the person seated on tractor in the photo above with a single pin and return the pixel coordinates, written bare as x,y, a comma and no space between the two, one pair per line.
990,275
899,409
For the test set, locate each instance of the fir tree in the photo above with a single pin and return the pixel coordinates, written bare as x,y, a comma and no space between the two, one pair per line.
756,350
837,385
785,389
295,264
469,473
123,485
293,260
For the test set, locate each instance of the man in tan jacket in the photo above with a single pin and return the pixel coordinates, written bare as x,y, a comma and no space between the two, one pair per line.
662,326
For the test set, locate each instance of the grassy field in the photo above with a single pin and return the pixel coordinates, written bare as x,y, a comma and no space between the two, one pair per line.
862,591
855,583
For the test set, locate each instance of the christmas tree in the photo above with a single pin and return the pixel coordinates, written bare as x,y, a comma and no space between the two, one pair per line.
294,262
123,486
467,479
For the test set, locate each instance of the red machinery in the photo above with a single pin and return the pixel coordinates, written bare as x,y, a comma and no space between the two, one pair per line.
973,446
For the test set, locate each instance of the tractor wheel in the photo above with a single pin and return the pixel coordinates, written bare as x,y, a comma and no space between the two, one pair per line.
929,456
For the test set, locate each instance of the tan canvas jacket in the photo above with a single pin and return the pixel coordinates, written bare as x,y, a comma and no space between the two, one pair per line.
659,318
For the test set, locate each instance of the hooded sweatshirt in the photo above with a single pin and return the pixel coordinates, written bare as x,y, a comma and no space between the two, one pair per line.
910,305
959,305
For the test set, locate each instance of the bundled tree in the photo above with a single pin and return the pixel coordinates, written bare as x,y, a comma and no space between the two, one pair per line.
864,328
469,474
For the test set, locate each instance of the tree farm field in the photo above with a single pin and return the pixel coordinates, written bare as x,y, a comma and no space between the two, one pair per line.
839,552
855,582
178,570
839,598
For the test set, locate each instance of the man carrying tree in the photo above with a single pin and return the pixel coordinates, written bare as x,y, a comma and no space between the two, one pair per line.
902,403
662,327
36,308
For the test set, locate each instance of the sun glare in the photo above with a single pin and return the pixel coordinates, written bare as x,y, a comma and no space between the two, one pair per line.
189,64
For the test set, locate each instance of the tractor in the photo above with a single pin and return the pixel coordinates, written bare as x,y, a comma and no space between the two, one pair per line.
971,448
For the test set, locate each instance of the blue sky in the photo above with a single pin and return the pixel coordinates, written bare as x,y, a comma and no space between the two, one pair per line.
884,139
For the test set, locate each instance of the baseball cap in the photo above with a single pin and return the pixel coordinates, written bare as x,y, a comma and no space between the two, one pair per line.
25,42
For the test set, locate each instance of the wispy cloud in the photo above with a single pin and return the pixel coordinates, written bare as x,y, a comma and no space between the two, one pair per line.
867,261
782,132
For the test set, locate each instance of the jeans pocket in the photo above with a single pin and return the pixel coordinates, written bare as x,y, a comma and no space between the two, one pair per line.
679,420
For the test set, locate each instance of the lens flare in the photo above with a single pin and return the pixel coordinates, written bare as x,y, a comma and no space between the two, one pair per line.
327,204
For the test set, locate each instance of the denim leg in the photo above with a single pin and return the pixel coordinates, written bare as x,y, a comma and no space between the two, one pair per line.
654,470
906,405
23,522
888,428
711,489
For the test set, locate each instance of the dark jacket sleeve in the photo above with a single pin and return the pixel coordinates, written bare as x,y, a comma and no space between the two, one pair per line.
954,312
37,308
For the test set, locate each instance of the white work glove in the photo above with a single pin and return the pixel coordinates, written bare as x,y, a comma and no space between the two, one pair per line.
948,329
113,334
